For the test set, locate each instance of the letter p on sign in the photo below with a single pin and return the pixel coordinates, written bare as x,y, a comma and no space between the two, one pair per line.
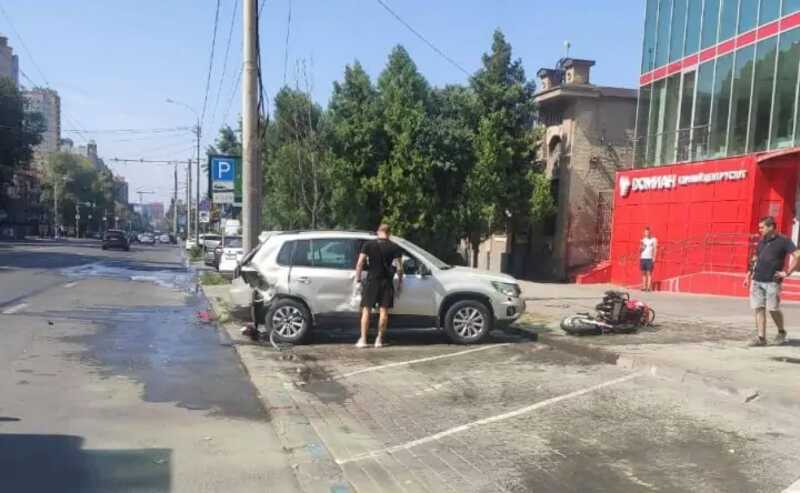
224,170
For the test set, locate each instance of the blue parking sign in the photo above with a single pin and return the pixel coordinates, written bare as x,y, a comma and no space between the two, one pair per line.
223,169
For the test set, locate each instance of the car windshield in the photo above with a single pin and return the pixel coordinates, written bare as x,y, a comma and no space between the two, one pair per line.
212,238
232,242
425,255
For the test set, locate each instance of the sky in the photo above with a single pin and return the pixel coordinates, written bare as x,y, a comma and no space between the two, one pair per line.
115,62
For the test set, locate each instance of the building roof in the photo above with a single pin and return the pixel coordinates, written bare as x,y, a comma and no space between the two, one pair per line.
584,91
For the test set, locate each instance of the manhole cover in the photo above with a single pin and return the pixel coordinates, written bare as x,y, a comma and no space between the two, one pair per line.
786,359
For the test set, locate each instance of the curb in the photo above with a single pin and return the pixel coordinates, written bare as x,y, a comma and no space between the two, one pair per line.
672,373
313,466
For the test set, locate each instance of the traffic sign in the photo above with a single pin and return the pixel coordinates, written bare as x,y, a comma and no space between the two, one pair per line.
225,179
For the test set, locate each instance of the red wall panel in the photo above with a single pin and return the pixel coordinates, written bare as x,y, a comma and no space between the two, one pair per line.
702,223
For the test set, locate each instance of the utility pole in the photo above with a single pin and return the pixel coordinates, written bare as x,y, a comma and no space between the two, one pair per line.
198,130
55,208
175,203
189,199
251,181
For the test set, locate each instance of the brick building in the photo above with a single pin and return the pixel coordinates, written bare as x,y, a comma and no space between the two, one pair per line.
588,137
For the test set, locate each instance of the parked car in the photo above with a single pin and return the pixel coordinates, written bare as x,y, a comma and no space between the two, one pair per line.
231,254
147,239
304,280
164,238
210,257
210,240
115,239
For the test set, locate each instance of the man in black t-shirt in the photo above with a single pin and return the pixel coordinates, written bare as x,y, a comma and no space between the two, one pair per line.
382,258
766,276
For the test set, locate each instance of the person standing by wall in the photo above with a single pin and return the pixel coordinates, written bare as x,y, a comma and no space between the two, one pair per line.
647,258
766,276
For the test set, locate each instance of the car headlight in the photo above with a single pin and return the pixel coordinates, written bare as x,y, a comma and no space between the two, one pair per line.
508,289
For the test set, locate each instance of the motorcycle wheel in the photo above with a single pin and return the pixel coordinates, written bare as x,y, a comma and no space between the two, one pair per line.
580,326
649,317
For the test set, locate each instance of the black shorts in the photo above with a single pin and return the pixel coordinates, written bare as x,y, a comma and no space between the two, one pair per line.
646,265
377,292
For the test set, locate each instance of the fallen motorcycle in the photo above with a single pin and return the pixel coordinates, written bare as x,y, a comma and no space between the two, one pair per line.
616,314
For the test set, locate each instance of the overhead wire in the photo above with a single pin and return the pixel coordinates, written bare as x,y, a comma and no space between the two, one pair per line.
210,63
422,38
225,59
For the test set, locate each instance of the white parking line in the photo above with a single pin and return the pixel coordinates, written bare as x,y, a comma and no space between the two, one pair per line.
14,309
480,422
413,361
795,488
70,284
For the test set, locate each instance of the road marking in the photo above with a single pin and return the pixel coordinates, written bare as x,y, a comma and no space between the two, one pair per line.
70,284
14,309
414,361
794,488
485,421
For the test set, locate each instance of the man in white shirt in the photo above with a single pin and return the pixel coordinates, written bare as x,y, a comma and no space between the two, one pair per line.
647,259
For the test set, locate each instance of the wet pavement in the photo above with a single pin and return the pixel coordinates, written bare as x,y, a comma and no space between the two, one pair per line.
111,381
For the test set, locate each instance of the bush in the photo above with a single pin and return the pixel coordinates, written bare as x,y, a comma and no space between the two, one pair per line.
196,254
212,279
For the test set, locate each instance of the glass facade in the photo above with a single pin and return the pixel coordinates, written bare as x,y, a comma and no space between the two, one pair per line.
713,84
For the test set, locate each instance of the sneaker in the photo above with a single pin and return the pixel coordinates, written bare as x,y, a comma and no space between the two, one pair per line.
780,338
361,344
757,342
378,343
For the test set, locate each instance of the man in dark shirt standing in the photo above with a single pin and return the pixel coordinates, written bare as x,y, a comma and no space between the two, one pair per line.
766,276
382,257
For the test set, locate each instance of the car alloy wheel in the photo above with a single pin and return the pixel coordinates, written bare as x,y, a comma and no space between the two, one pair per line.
468,322
288,321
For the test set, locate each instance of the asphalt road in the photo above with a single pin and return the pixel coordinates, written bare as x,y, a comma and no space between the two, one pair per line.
110,382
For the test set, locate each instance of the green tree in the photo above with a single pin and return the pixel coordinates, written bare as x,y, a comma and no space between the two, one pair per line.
405,180
295,165
19,131
227,143
357,141
500,184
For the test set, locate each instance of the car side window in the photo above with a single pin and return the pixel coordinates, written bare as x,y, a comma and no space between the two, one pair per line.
285,255
333,253
302,254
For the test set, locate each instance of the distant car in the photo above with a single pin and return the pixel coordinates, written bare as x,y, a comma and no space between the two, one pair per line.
115,239
210,241
231,255
164,238
147,239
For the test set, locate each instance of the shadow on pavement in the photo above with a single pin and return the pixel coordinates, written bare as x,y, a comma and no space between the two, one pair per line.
59,463
414,337
26,259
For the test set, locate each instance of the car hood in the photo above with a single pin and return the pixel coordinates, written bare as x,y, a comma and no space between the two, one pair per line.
484,275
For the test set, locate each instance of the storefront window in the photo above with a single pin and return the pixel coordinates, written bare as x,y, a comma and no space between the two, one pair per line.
656,117
662,36
785,89
740,103
770,10
648,49
748,15
727,19
762,94
642,119
720,104
685,119
669,129
693,17
710,23
678,30
790,6
702,110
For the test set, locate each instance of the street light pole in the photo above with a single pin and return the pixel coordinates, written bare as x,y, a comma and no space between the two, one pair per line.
198,132
188,199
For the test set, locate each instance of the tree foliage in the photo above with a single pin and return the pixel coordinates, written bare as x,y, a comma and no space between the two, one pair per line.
439,164
20,131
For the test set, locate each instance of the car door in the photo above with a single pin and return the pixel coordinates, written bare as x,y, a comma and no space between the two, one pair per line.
322,274
414,304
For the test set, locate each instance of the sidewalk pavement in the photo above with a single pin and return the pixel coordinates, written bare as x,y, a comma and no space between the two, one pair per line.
696,337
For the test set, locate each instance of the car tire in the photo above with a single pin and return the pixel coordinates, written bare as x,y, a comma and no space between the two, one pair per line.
289,321
468,322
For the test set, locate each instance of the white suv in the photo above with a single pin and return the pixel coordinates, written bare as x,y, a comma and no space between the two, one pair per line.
306,279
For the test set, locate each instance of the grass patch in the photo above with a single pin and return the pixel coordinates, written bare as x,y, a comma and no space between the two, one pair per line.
212,279
196,254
